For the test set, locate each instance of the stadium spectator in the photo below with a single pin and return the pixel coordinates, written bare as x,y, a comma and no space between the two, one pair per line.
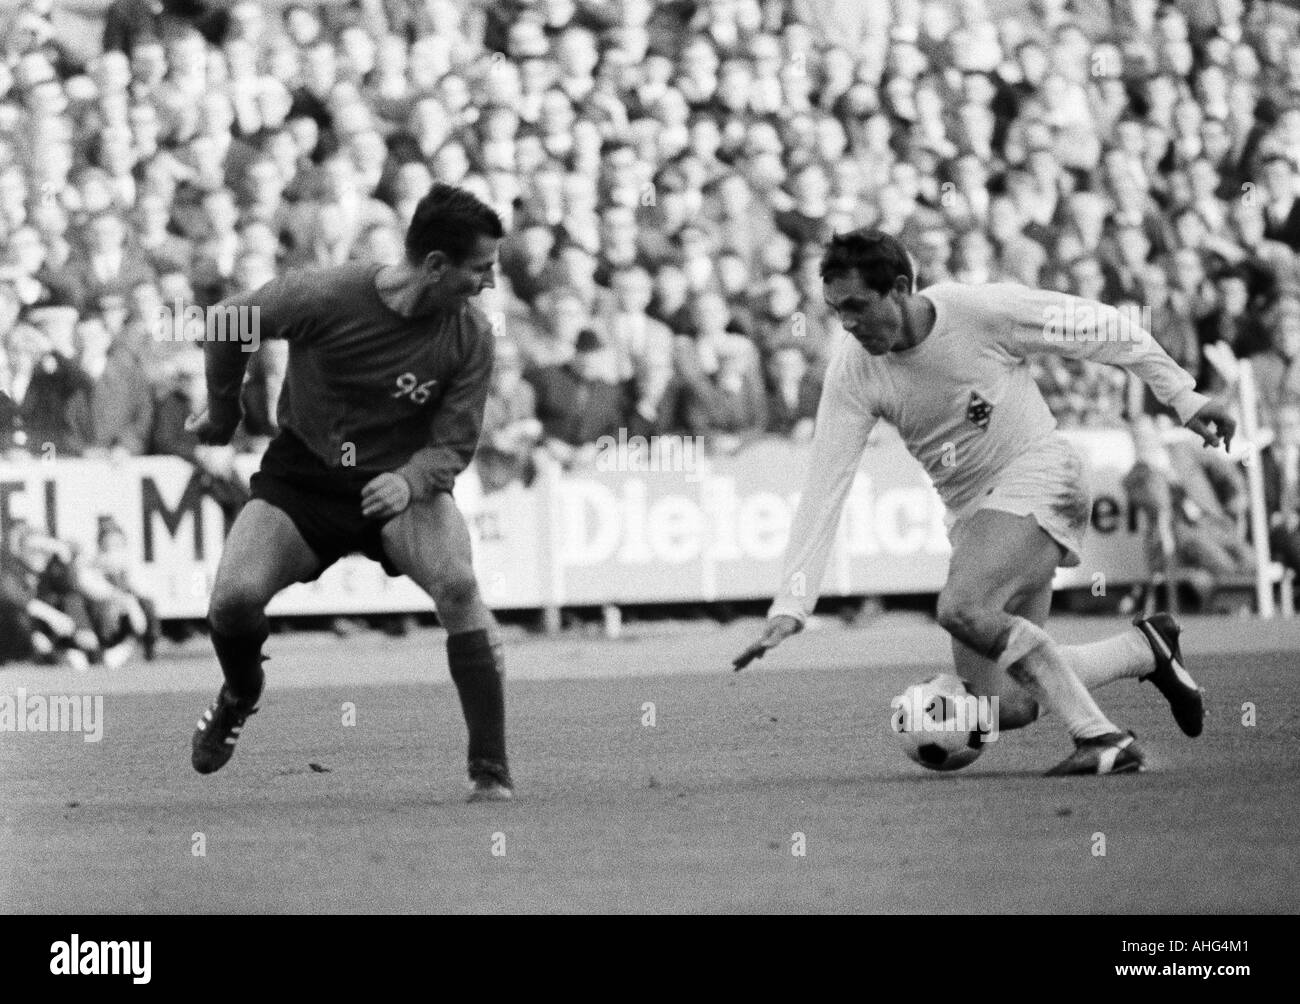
118,603
1209,499
697,361
805,221
511,430
1200,497
933,256
127,23
526,259
11,308
109,265
183,395
793,393
675,138
111,412
575,405
1128,254
731,202
1277,364
777,319
618,240
561,315
42,360
1281,200
43,583
1280,462
10,426
28,627
670,301
696,247
973,259
642,350
727,406
163,250
1231,321
574,267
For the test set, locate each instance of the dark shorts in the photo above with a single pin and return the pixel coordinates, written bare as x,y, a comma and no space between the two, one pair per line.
324,505
332,525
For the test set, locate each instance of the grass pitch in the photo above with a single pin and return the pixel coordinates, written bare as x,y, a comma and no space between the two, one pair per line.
651,778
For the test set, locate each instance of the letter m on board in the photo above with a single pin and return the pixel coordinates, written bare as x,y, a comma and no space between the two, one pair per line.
152,504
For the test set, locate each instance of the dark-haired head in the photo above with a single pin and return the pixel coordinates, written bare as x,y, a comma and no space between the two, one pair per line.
451,252
452,221
868,279
878,258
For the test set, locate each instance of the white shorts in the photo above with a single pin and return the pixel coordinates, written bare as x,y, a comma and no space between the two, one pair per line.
1049,482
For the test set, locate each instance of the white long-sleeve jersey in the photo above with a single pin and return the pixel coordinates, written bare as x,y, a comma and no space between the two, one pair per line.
963,401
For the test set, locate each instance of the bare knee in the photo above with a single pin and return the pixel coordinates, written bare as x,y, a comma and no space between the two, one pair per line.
238,604
962,616
455,591
1015,706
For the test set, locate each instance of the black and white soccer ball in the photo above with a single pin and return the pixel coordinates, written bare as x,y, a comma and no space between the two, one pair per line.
937,723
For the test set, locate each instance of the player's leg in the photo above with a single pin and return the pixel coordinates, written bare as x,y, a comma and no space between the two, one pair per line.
1001,556
263,554
1148,651
429,542
1016,705
1051,485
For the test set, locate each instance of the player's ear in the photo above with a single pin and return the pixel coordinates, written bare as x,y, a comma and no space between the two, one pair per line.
435,262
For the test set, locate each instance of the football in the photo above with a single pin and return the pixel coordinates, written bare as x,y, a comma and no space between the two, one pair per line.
937,723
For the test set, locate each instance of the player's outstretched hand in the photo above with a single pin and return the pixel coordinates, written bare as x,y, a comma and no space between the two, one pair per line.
211,433
384,496
777,630
1214,425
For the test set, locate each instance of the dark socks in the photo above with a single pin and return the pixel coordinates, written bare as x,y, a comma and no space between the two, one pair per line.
241,660
477,670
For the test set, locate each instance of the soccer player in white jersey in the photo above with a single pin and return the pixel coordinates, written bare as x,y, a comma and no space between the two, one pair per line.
948,367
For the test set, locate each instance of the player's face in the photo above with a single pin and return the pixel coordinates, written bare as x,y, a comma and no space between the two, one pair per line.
875,321
458,282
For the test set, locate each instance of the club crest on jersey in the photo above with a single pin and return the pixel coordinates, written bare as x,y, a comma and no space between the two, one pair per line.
979,411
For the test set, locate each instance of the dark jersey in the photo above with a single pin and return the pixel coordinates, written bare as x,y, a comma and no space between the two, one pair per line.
366,390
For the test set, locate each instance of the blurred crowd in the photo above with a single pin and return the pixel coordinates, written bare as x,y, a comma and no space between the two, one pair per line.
668,173
59,604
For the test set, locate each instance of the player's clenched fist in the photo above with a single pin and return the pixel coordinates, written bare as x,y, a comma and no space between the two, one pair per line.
210,431
384,496
778,629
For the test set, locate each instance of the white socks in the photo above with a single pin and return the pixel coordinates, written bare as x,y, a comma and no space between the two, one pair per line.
1042,669
1123,656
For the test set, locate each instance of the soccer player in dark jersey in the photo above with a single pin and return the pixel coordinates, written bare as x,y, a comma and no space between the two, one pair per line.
381,408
